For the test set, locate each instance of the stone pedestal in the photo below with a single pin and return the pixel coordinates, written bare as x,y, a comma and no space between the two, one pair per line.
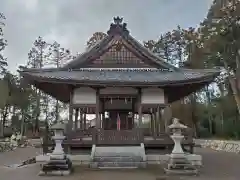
58,152
178,162
59,163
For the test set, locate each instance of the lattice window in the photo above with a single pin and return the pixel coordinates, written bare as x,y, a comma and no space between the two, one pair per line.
118,54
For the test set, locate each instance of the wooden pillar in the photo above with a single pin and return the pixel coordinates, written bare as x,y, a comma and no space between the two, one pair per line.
156,121
70,114
81,120
76,118
139,108
84,121
162,123
151,124
127,123
103,114
133,113
104,120
98,120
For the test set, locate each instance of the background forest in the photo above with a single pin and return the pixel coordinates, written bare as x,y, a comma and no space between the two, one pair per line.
212,112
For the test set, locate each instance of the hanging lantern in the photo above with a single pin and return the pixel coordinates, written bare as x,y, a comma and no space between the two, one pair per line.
111,100
125,100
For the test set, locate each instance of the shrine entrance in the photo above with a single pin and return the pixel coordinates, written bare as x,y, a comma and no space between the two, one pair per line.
119,120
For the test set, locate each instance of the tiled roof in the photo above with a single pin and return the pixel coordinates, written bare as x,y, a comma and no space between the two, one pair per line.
119,28
119,76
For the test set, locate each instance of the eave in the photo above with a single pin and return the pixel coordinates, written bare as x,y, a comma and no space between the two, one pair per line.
60,88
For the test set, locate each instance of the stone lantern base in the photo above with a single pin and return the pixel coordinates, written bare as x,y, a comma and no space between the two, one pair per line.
57,167
59,164
179,164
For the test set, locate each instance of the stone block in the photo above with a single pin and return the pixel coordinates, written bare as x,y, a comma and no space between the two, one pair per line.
181,172
55,173
152,157
42,158
57,156
57,167
79,157
195,160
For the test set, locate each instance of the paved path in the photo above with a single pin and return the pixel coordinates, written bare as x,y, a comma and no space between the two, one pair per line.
217,166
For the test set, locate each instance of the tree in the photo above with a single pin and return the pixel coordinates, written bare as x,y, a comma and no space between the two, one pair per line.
163,47
222,39
58,56
3,44
96,38
37,56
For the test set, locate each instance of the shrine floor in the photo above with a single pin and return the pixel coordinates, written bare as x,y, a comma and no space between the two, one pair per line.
217,166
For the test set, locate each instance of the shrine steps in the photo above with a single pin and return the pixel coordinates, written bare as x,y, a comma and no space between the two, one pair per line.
118,157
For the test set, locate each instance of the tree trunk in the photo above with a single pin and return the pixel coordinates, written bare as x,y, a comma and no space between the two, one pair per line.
194,117
4,119
36,125
23,123
209,114
233,85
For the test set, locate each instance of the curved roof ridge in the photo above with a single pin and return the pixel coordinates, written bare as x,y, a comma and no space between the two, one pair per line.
154,57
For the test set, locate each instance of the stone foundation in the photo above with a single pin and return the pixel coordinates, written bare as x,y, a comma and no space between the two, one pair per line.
195,160
56,166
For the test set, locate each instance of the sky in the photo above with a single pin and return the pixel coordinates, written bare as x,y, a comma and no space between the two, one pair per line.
72,22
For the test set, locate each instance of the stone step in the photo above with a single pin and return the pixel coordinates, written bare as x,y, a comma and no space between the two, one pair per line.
108,153
119,164
60,161
118,150
117,159
47,167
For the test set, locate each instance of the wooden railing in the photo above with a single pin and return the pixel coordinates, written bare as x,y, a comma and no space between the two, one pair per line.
114,137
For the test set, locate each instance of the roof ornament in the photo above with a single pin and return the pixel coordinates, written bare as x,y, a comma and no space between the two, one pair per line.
117,20
118,26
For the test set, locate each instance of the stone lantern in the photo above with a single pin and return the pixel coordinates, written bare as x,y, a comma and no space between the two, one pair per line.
59,163
58,138
176,128
178,162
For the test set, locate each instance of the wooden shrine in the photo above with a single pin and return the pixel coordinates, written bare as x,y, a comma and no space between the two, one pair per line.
118,80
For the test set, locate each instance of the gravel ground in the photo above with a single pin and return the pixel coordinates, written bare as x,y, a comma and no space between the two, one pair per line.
217,166
18,155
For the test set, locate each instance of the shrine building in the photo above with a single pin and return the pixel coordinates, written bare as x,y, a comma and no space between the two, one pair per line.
118,80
